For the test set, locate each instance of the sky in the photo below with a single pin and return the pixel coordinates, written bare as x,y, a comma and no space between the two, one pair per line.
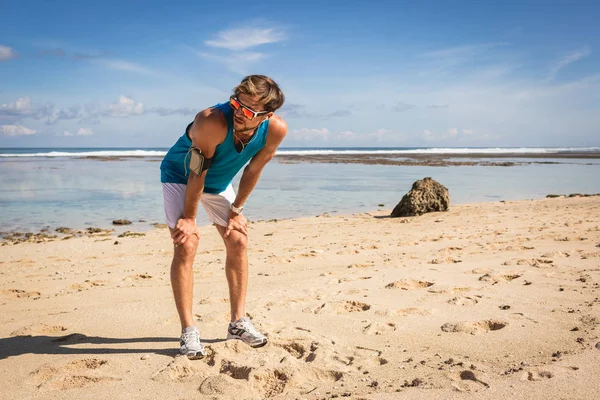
355,73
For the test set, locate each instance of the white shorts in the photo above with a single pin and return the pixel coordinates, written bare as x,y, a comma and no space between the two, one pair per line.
217,206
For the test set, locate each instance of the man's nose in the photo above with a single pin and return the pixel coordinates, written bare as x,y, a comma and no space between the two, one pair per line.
239,112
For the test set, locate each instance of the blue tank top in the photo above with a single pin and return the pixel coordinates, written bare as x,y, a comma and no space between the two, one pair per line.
226,163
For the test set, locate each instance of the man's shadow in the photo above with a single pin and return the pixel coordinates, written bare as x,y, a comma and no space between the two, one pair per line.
77,343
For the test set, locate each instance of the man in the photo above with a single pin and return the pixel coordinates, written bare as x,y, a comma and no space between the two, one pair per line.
200,168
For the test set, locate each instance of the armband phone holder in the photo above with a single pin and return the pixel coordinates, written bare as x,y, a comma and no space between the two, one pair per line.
198,163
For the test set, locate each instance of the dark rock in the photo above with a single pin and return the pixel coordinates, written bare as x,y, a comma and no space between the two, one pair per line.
426,195
63,230
121,222
131,234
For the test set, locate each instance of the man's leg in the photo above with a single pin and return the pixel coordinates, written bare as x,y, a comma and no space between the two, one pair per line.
236,270
182,275
182,279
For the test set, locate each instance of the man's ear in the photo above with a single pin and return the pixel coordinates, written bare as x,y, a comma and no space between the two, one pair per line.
269,115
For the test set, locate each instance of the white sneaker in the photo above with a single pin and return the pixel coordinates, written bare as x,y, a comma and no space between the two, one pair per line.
190,344
243,330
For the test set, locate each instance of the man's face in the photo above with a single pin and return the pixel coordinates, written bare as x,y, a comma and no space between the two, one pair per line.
240,122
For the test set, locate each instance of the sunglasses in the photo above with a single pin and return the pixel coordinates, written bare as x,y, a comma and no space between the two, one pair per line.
248,113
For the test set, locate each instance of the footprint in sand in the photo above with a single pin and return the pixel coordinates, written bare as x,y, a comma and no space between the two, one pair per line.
21,294
402,312
533,262
407,284
463,301
138,277
377,328
474,328
477,271
74,375
296,348
595,254
267,382
340,307
498,278
352,306
88,284
216,385
447,260
182,369
448,289
39,329
536,375
557,254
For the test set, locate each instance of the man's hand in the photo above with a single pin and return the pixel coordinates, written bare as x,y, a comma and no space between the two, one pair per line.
183,230
237,222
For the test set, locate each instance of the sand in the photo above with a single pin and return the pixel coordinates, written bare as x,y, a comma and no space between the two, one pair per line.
492,300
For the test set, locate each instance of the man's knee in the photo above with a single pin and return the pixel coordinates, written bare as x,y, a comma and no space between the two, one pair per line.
237,242
187,250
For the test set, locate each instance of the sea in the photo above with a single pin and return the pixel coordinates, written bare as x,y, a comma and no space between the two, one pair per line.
46,188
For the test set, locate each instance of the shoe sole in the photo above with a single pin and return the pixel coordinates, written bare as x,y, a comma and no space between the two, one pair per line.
256,346
196,356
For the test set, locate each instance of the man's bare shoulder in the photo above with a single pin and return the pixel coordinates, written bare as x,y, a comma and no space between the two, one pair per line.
277,126
209,129
211,118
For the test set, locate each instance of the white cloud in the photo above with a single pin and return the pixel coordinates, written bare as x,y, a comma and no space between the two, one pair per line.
380,134
21,107
467,131
124,107
305,134
80,132
6,53
16,130
347,135
571,58
452,132
51,114
244,38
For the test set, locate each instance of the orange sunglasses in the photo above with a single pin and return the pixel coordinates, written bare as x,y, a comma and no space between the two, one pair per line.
248,113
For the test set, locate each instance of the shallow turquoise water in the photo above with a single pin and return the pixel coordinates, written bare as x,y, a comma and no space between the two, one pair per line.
74,192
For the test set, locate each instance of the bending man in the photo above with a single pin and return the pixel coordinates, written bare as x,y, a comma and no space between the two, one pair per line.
200,168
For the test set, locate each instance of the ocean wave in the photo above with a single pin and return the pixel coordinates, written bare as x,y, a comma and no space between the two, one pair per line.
314,151
104,153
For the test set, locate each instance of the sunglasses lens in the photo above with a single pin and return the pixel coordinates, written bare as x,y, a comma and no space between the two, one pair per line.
234,103
247,113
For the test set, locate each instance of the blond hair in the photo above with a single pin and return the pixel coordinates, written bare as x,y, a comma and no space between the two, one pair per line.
263,87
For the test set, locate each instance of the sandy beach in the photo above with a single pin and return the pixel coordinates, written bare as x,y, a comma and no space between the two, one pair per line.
494,300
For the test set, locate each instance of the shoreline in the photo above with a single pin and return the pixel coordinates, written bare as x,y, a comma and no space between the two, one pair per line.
381,157
140,228
362,306
440,160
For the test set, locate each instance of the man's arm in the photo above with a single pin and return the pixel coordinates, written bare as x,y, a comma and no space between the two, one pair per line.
277,131
208,130
252,172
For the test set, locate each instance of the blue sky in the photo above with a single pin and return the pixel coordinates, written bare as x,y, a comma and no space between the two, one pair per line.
355,73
